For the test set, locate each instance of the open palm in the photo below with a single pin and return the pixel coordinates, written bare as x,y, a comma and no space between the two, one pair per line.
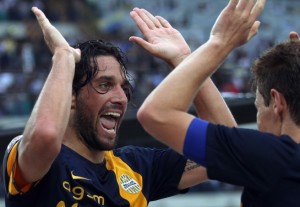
160,38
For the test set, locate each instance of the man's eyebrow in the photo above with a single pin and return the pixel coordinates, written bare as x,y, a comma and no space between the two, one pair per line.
112,78
107,78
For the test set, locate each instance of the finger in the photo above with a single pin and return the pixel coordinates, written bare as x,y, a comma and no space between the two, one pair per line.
254,29
142,43
41,18
163,22
52,36
232,4
245,5
148,21
257,9
293,36
155,21
249,5
244,9
143,27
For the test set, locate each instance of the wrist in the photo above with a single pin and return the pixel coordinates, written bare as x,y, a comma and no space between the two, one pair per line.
63,53
176,61
220,46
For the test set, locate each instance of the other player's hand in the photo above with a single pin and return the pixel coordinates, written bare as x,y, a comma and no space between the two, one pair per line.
160,38
237,23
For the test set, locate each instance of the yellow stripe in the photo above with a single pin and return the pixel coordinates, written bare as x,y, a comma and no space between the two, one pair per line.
123,172
14,174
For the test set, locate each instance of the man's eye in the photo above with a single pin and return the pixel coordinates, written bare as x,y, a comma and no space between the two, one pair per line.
104,87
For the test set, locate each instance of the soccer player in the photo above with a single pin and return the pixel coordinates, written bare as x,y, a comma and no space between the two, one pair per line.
265,161
66,155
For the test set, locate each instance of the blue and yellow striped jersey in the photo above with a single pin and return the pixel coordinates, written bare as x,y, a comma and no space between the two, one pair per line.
130,176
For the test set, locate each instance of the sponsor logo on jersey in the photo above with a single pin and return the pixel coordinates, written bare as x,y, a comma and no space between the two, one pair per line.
76,177
129,184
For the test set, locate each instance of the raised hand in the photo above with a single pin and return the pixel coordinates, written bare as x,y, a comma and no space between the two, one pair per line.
237,23
52,36
160,38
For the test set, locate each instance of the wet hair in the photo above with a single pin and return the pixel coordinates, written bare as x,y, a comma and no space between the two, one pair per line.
88,68
279,68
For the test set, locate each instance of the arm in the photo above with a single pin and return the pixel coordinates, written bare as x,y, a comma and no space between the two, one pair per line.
47,123
211,106
163,114
165,42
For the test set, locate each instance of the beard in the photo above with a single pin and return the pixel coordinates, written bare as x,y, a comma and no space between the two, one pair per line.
87,131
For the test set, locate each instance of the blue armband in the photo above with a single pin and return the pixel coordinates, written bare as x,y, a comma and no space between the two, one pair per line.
195,141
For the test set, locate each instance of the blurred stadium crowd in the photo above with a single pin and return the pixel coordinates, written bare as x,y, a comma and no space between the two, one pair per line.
25,60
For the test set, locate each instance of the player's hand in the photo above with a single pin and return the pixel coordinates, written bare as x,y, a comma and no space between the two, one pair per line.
237,23
160,38
53,38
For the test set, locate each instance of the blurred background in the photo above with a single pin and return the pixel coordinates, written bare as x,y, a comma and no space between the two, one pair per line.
25,62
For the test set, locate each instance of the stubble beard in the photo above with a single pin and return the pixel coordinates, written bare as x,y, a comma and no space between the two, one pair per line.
87,131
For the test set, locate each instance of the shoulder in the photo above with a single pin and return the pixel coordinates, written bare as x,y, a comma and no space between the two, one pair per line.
131,150
137,154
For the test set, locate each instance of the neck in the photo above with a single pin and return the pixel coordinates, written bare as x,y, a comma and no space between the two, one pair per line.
74,143
292,130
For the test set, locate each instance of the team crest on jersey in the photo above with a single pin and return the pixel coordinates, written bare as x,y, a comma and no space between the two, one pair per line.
129,184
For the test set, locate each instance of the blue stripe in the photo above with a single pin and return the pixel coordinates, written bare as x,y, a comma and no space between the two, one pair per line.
195,141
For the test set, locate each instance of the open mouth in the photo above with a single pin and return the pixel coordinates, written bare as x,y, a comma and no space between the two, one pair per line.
109,121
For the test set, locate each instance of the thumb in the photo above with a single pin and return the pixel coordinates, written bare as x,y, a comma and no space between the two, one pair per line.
40,16
253,30
142,43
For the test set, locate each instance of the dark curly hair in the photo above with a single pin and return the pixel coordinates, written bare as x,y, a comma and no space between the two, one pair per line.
88,68
279,68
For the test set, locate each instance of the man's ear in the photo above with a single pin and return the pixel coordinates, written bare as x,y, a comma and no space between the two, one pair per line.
279,104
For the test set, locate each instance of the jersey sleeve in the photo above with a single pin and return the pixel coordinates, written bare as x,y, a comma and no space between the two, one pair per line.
247,157
195,141
168,167
14,183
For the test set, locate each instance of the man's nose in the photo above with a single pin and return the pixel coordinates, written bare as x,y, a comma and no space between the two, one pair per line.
119,95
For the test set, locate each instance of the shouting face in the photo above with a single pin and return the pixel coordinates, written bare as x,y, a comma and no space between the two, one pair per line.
100,105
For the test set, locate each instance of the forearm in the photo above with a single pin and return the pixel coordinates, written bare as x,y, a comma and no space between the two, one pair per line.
183,83
163,113
54,101
208,102
176,61
211,106
46,126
